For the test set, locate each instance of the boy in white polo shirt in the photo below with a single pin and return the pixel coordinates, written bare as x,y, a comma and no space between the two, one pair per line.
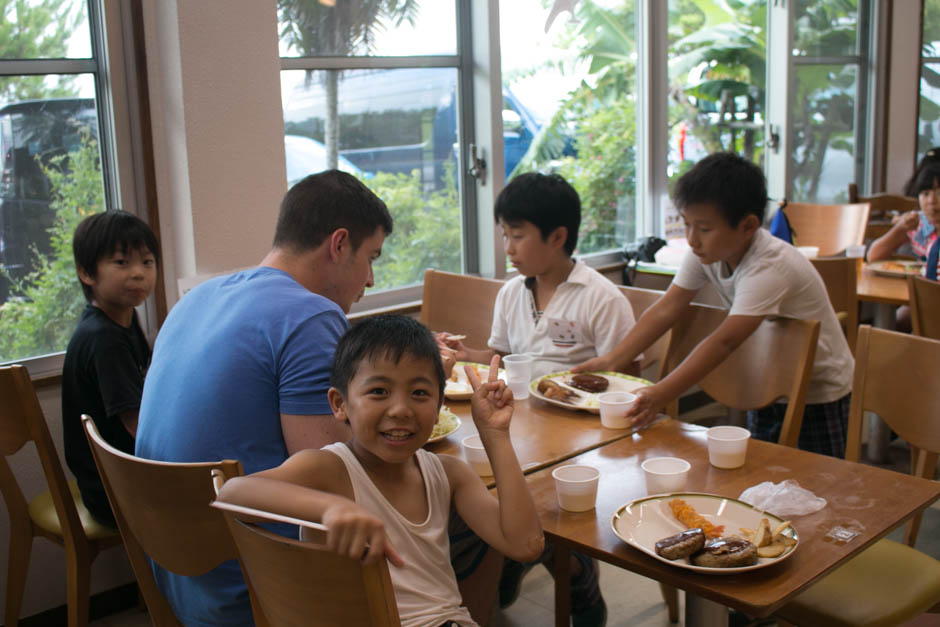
558,310
722,200
561,312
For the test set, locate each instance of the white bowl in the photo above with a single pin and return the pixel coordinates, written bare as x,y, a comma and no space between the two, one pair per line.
809,251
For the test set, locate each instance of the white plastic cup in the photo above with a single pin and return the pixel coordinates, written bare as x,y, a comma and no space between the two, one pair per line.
727,446
576,487
809,251
665,474
475,455
613,406
518,374
855,250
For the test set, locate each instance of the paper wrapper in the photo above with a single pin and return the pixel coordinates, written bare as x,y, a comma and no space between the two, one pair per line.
786,498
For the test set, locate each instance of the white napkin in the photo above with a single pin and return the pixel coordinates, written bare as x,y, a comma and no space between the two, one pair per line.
786,498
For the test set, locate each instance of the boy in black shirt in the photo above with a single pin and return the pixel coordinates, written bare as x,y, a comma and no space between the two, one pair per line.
116,257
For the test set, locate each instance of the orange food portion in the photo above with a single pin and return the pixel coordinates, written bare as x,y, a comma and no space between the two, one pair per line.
692,519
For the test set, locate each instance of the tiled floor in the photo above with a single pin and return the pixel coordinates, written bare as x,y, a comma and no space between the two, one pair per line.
632,600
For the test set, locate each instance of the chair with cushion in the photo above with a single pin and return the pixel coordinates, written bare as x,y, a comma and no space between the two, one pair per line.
57,514
459,303
925,306
840,275
162,510
889,583
882,207
830,227
301,583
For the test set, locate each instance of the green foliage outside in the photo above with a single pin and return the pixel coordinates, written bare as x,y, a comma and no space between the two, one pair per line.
36,31
427,227
41,320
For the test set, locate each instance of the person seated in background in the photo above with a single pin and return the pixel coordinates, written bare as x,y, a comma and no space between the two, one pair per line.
919,228
558,310
722,201
380,495
116,256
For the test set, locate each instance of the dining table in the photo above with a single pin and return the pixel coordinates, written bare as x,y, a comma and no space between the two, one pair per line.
542,434
863,504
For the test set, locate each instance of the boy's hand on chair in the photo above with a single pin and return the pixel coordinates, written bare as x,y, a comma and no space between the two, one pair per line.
492,402
354,532
646,407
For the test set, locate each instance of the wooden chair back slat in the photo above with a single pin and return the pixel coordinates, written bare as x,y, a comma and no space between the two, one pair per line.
881,207
925,306
840,275
22,421
830,227
775,362
642,299
459,303
162,510
891,374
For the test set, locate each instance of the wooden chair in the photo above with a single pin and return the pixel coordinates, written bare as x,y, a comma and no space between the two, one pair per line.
162,510
830,227
840,275
57,514
889,583
301,583
925,306
881,207
641,299
459,303
774,362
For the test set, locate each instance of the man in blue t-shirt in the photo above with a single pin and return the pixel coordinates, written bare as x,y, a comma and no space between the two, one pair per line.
241,366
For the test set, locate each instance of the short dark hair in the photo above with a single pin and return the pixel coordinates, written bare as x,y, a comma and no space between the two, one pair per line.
734,185
546,200
389,336
926,176
320,204
106,233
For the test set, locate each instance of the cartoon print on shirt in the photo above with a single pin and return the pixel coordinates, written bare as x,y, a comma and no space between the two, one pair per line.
564,333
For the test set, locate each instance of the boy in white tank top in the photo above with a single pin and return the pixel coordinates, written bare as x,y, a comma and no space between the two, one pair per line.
381,495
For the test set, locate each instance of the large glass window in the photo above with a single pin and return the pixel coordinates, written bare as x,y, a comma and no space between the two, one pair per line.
569,106
51,169
830,96
928,124
387,112
717,62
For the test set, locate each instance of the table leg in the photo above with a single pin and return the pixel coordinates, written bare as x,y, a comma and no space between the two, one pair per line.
562,585
700,612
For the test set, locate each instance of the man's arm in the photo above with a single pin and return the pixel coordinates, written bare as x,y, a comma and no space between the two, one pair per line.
129,420
312,431
652,324
703,359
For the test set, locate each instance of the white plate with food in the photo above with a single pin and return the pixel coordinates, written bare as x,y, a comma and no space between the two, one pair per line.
447,422
897,267
579,391
458,386
727,524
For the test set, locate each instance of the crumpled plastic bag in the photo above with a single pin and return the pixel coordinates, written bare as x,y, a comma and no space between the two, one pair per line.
786,498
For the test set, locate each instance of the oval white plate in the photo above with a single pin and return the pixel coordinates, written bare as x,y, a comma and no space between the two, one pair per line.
641,523
456,425
587,401
459,389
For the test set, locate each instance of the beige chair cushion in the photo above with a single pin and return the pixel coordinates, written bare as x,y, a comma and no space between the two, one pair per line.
42,511
887,584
